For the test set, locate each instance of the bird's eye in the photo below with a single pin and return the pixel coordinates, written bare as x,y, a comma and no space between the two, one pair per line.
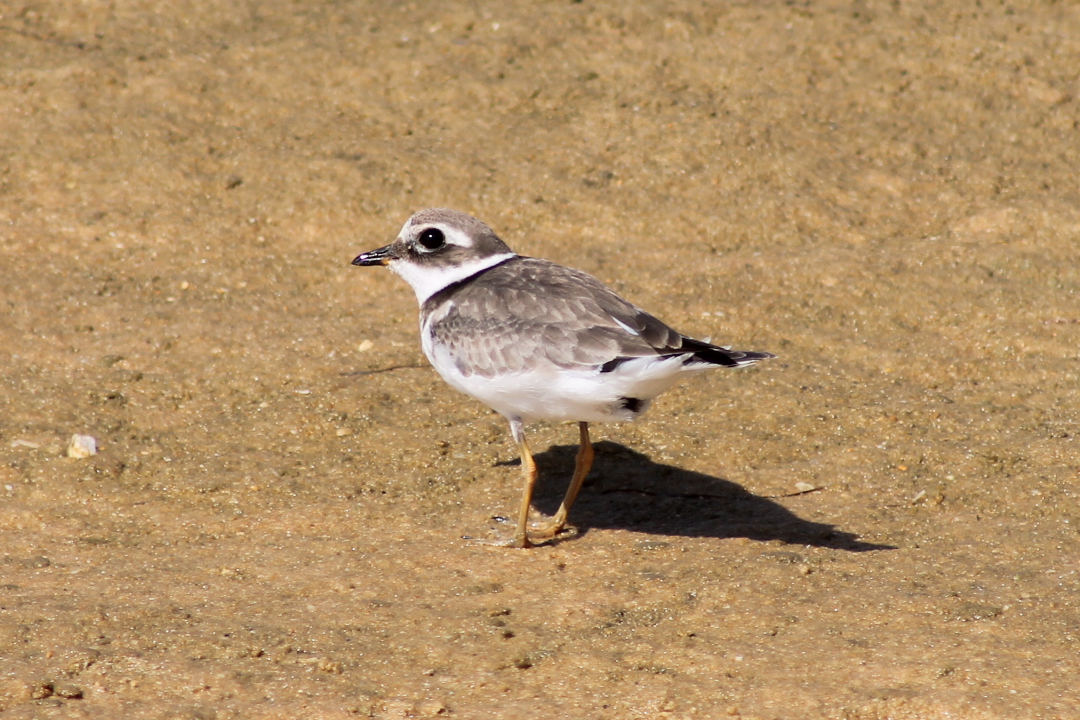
432,239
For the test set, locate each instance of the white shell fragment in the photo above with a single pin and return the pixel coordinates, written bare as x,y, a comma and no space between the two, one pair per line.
82,446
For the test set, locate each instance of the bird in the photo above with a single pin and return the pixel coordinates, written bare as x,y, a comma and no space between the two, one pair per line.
535,340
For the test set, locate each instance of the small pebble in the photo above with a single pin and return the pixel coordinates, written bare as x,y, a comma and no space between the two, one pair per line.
365,346
432,707
82,446
329,666
398,709
804,487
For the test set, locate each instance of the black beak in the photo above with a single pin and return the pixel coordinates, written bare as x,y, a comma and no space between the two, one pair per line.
382,256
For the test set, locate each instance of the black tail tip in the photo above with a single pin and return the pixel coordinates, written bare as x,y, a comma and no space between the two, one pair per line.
731,358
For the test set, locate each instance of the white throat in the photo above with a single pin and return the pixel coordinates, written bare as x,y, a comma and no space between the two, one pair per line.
427,280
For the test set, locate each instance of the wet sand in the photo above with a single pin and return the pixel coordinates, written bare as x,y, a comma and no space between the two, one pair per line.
881,523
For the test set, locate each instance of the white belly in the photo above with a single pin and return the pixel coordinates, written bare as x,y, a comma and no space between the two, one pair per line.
547,392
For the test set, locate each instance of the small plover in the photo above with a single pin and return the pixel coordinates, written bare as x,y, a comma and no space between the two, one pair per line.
536,341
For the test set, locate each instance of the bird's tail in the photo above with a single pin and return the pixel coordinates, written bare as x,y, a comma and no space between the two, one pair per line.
718,355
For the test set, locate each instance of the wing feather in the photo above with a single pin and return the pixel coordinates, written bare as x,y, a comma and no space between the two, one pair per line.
527,312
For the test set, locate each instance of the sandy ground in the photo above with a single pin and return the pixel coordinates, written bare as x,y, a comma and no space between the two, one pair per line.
885,194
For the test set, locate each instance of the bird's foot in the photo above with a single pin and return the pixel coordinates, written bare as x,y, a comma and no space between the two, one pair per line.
539,534
552,530
520,540
535,538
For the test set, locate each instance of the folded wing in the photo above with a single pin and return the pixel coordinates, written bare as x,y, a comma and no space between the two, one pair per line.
544,314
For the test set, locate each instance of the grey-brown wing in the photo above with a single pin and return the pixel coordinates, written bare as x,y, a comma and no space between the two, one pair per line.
532,311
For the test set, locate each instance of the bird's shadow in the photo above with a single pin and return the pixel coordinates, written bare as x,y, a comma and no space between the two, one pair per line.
627,490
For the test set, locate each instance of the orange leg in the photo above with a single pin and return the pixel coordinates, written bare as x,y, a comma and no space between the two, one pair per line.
581,469
528,471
